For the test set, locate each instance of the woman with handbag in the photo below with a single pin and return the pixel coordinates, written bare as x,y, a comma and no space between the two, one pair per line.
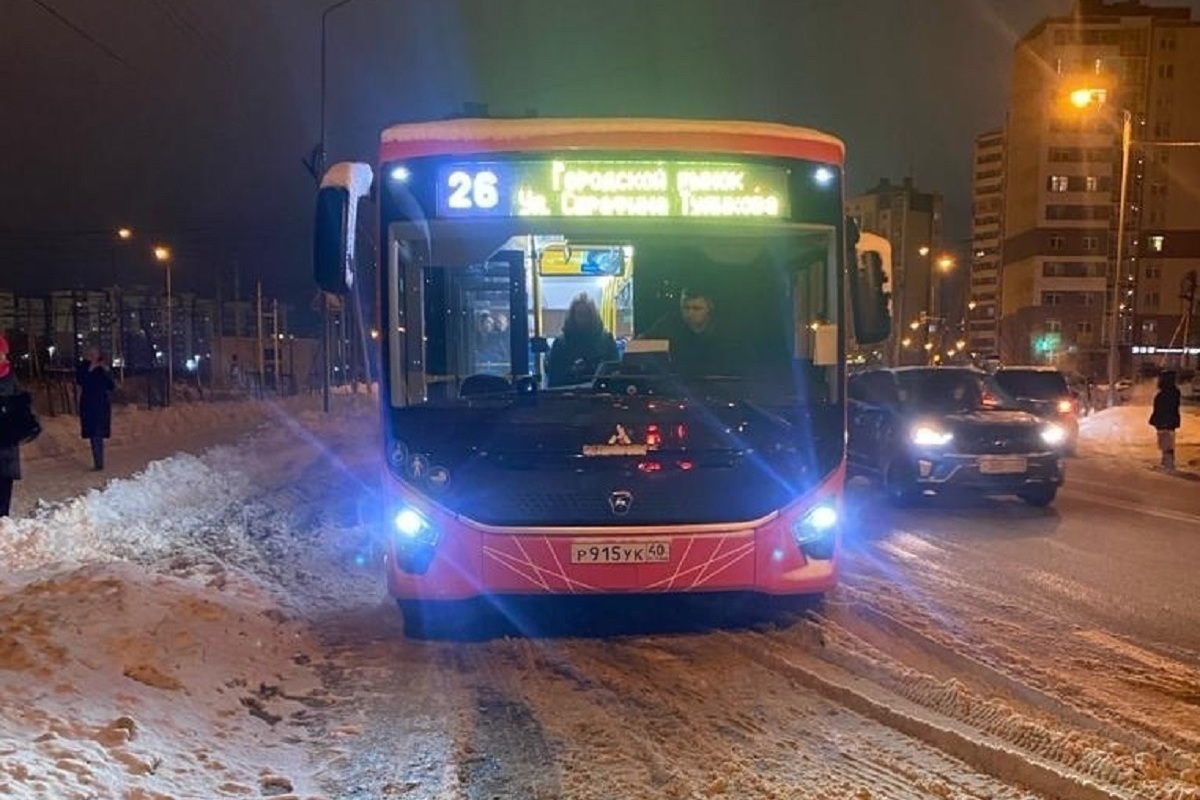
10,456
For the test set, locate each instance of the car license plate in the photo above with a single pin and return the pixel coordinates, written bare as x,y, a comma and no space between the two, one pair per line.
653,551
1002,465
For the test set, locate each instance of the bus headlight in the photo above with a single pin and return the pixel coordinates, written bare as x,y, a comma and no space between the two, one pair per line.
414,540
409,524
816,532
1053,435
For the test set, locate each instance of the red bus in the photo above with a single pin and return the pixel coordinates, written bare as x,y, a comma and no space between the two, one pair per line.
612,356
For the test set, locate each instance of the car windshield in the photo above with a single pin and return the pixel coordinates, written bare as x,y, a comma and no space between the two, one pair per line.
1034,384
950,391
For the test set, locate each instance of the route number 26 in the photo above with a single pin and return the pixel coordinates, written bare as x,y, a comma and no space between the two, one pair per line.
468,191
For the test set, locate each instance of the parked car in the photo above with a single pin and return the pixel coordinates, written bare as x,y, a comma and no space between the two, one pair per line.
922,431
1046,392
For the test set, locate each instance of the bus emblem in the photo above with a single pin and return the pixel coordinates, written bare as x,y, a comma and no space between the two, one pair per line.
620,502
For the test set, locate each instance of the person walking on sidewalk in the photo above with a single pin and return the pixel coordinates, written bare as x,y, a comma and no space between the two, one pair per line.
95,403
1165,417
10,457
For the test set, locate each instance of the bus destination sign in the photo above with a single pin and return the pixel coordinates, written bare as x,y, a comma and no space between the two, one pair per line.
564,188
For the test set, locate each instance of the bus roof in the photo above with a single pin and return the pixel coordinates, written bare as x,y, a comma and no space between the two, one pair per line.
475,136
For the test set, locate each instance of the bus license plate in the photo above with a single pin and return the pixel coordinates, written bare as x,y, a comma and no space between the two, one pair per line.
648,552
1002,465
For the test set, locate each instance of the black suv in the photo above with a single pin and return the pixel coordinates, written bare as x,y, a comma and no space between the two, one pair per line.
1046,392
929,430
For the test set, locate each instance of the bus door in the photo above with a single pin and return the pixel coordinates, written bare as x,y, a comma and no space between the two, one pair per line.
464,328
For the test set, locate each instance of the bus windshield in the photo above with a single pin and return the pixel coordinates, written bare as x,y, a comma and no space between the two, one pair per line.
713,311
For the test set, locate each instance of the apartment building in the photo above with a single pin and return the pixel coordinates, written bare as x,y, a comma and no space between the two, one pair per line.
987,233
911,220
1062,181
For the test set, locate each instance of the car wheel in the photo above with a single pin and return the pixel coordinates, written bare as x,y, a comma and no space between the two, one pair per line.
900,484
1039,496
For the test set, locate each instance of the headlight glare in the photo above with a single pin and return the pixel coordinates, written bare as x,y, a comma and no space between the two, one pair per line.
929,436
821,519
409,523
816,532
1053,435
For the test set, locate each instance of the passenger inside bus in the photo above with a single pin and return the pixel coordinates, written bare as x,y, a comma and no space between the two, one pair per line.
490,344
582,347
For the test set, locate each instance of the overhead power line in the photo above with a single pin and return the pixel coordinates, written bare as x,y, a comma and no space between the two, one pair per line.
84,34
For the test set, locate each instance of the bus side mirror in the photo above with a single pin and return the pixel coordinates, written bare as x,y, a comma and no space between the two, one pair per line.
333,232
870,289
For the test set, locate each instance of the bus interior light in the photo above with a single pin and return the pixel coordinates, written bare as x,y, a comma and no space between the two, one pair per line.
823,176
401,174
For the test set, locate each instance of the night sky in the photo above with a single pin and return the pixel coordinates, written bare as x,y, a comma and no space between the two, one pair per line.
188,120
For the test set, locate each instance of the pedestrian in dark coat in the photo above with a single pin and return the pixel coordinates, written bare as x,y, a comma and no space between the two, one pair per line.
1165,417
95,402
10,457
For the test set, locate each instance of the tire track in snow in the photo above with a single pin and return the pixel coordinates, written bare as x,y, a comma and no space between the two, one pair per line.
651,717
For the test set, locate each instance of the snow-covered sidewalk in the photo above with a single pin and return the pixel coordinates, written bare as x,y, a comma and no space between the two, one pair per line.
148,649
1123,433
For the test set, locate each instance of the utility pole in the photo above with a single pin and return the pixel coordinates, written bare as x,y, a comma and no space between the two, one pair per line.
258,319
317,168
1119,263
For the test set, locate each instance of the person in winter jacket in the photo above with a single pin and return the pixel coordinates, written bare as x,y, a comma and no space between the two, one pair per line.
10,457
95,403
583,345
1165,417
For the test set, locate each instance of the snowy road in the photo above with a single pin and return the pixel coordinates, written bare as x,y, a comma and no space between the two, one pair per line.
986,650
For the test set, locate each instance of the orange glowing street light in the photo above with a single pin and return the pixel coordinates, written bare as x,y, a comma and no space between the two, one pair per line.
1083,98
125,234
943,263
162,254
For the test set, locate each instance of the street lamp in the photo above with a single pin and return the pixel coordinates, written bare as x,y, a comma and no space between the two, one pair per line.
116,307
319,166
162,255
1083,98
944,263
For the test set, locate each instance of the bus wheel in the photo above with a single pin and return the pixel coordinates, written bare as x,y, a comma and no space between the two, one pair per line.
900,485
1039,496
444,619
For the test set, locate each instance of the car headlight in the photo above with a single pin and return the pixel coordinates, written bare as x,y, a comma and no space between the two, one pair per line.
1065,407
929,436
816,532
1053,435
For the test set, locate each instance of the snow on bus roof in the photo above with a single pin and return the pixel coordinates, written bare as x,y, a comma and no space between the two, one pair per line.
426,137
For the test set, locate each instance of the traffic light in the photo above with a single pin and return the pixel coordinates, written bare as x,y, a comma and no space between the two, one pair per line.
1047,343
